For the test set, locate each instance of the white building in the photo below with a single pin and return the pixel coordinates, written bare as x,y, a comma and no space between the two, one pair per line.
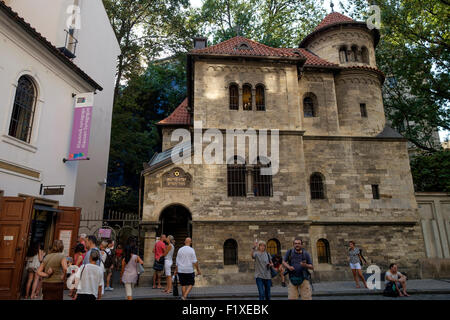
35,158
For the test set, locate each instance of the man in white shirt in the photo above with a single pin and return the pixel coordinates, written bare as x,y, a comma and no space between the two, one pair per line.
394,276
186,260
89,279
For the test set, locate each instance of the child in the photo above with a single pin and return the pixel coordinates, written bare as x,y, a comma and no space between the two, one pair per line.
71,271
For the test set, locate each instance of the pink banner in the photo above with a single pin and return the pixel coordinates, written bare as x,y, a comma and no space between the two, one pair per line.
81,128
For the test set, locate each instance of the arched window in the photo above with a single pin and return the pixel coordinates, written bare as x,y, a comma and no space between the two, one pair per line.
309,107
23,111
355,53
365,55
236,178
273,247
323,251
230,252
316,186
260,98
343,58
262,183
234,97
247,97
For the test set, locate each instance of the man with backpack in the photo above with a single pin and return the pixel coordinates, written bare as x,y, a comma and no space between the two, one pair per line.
297,262
109,263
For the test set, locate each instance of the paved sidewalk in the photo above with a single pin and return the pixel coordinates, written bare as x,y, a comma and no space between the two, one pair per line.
322,289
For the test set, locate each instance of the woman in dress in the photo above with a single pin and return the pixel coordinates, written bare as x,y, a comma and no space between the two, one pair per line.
168,261
78,257
355,264
129,274
34,259
53,271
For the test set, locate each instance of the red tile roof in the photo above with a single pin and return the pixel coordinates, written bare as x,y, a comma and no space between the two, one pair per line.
333,18
52,49
180,116
240,46
311,58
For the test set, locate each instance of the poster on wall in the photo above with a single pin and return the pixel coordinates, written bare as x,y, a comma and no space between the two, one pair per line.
82,116
66,237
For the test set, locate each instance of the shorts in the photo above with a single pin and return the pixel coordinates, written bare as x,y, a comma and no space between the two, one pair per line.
168,268
304,288
187,279
354,266
109,270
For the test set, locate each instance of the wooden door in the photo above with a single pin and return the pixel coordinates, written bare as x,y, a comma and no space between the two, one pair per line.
67,225
15,217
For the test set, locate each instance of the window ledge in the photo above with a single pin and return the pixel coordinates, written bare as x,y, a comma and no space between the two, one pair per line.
19,143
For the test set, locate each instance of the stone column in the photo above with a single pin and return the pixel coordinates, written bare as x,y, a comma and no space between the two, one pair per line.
149,243
250,182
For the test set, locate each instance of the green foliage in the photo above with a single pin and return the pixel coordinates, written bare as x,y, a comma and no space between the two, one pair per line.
414,54
123,198
272,22
431,172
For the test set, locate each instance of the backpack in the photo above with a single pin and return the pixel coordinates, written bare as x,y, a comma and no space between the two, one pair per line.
109,261
390,290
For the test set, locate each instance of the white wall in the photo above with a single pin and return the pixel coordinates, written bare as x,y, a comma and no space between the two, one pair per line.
96,54
49,144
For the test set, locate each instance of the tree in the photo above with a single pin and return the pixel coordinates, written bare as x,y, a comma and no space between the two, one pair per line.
431,171
414,54
144,30
271,22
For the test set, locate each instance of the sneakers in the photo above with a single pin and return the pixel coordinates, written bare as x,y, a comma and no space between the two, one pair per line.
109,289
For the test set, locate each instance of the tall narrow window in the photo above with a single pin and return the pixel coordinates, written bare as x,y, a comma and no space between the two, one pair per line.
375,191
273,247
343,58
316,186
247,97
234,97
230,252
323,251
355,53
260,98
308,107
23,111
365,55
236,179
363,108
262,184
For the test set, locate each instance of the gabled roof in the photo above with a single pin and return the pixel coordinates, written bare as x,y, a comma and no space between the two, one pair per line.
50,47
333,18
312,59
240,46
180,116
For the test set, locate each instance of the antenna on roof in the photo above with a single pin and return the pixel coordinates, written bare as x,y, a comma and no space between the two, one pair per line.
332,6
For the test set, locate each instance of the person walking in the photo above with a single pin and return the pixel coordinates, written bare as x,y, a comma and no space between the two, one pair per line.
91,244
355,264
297,262
158,250
89,280
53,271
34,258
185,262
109,263
79,254
263,263
129,273
168,261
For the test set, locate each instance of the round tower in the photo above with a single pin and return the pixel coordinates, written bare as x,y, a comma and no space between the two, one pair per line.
351,45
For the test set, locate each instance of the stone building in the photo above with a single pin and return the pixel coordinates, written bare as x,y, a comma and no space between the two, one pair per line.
343,173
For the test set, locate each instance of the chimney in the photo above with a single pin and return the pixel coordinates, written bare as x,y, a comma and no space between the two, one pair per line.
200,42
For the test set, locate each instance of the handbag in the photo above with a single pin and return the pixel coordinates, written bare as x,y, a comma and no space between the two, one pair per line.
140,269
73,292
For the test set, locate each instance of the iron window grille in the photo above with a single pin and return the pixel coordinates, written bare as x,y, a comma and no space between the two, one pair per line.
23,111
236,180
260,99
316,186
234,97
247,97
262,184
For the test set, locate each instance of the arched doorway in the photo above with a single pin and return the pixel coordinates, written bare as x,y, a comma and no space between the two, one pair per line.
176,220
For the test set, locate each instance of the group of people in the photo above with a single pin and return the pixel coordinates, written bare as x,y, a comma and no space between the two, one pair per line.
186,260
297,263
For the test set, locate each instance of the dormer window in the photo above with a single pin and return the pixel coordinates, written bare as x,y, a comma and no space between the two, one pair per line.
244,46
